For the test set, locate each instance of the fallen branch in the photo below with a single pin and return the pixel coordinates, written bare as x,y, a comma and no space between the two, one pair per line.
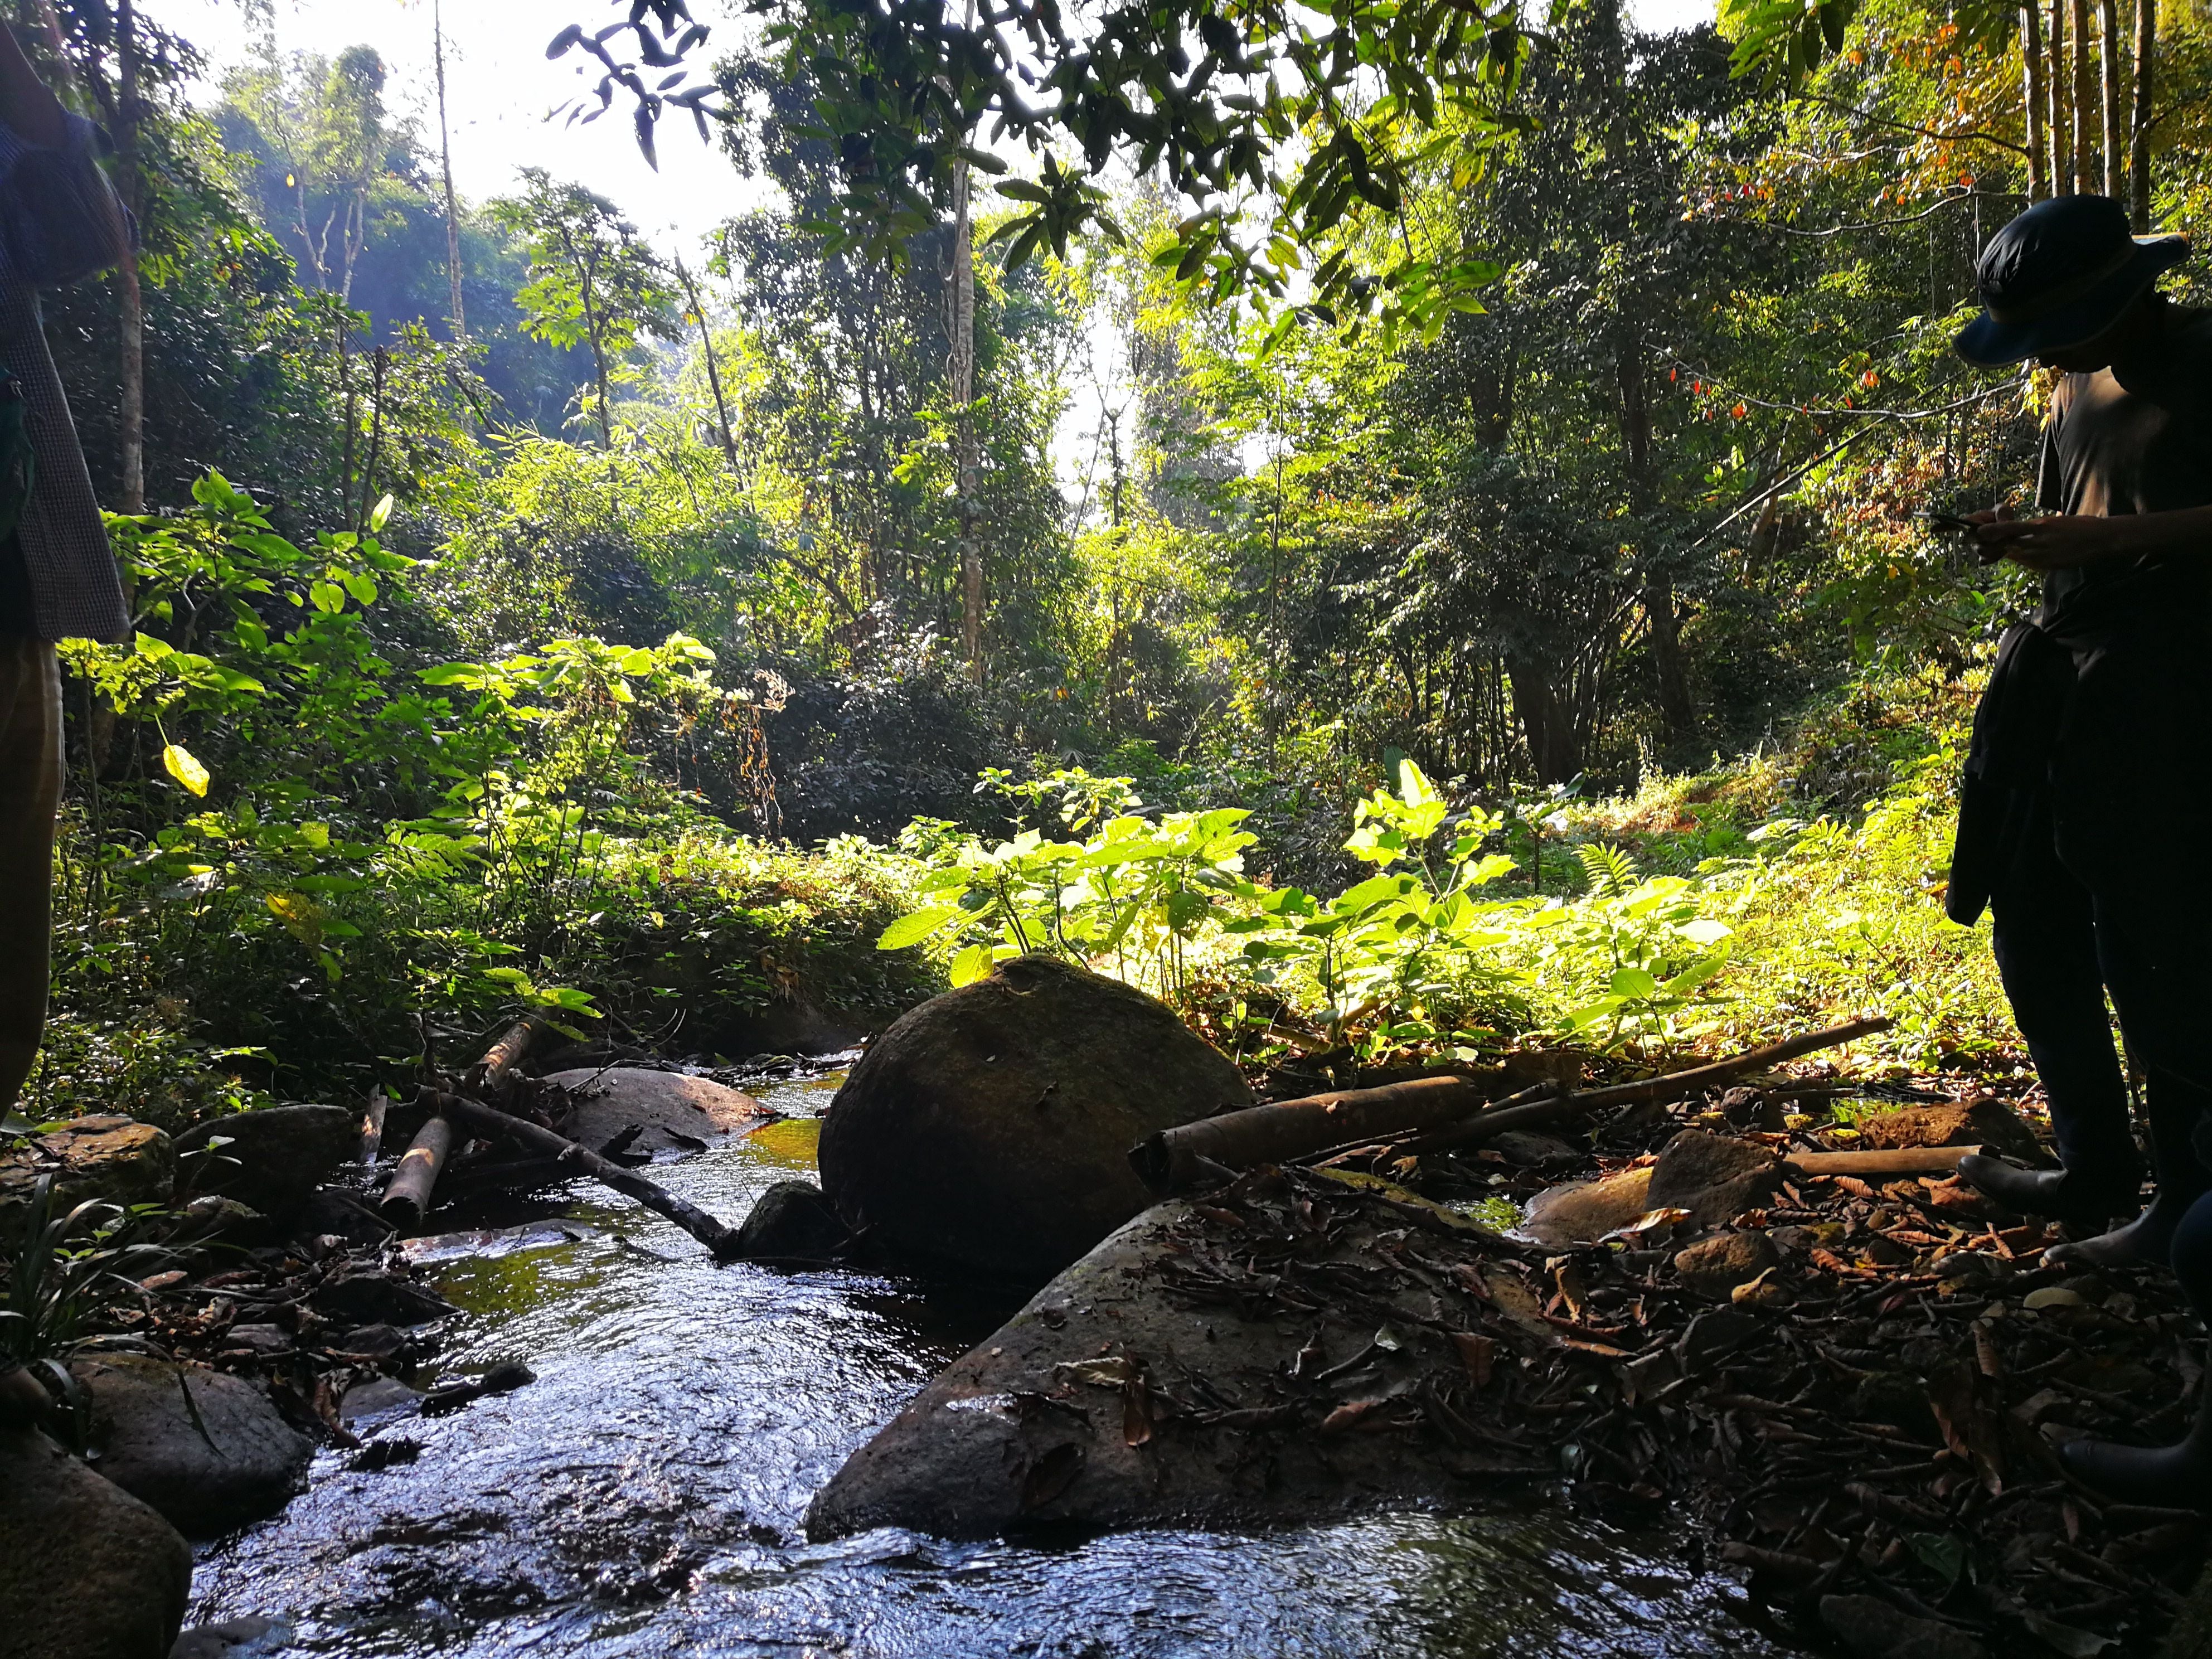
1535,1109
492,1124
491,1073
1288,1130
372,1127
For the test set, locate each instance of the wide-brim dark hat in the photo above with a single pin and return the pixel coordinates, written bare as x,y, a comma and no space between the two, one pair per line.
2059,275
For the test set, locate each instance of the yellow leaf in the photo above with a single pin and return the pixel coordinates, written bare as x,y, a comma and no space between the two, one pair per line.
185,767
301,916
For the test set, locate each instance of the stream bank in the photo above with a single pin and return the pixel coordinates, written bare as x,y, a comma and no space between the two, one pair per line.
645,1495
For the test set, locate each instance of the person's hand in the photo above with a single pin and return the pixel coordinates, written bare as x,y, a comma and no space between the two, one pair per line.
2056,543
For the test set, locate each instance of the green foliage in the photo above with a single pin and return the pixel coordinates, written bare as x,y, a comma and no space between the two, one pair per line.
1407,956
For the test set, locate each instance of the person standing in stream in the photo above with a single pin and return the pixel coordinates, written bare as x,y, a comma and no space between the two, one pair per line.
2089,778
59,221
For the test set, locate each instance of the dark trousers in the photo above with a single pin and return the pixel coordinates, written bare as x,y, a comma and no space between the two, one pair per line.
2062,942
30,791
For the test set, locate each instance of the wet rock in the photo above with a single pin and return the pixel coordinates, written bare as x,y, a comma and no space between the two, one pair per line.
1870,1628
673,1112
244,1467
377,1398
87,1571
370,1342
992,1126
235,1638
333,1213
259,1339
1715,1177
213,1218
1584,1211
1062,1414
1527,1150
793,1221
503,1378
373,1298
1987,1122
1715,1267
276,1158
115,1159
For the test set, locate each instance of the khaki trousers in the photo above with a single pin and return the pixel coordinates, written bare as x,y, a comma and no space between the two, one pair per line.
30,795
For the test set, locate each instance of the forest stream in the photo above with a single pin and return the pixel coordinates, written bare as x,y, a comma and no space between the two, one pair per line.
644,1495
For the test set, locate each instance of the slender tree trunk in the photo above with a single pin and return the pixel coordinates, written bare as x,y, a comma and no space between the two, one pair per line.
2031,68
2139,150
129,299
1669,670
2084,102
963,394
2054,110
1544,723
445,166
713,374
2111,58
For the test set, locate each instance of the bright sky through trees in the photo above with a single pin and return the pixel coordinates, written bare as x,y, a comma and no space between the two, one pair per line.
500,88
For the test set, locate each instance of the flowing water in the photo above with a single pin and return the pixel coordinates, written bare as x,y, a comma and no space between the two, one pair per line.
644,1496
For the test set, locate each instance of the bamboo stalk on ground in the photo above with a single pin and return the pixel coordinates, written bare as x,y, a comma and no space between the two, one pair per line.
492,1125
371,1127
407,1198
1182,1157
1882,1161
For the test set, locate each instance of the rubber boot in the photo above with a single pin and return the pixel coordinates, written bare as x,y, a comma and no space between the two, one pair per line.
2177,1477
2044,1192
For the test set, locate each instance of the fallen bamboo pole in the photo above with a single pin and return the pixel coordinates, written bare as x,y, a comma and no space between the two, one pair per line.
1882,1161
1169,1160
407,1199
372,1127
492,1125
1435,1111
492,1072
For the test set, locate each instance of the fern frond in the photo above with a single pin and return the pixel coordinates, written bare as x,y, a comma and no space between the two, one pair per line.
1609,870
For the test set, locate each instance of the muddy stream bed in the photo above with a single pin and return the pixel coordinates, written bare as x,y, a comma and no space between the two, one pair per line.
643,1497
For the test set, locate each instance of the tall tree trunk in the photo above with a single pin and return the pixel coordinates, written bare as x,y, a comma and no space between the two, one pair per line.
2055,82
713,374
1546,723
2031,68
445,166
1669,669
129,299
2139,149
2084,102
2112,60
966,459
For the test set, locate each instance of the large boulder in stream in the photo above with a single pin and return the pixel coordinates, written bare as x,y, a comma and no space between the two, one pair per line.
1291,1346
87,1571
671,1111
272,1160
208,1463
991,1126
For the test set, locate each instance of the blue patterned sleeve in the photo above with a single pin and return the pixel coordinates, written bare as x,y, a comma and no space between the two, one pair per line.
59,217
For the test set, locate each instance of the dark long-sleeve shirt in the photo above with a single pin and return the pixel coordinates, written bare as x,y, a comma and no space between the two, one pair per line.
59,222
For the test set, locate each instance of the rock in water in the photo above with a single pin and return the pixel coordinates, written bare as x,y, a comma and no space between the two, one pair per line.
276,1158
112,1159
673,1111
991,1126
793,1221
1715,1177
87,1571
148,1442
1583,1211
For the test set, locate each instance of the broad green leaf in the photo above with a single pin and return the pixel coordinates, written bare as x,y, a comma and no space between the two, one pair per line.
913,928
183,766
1632,983
971,965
